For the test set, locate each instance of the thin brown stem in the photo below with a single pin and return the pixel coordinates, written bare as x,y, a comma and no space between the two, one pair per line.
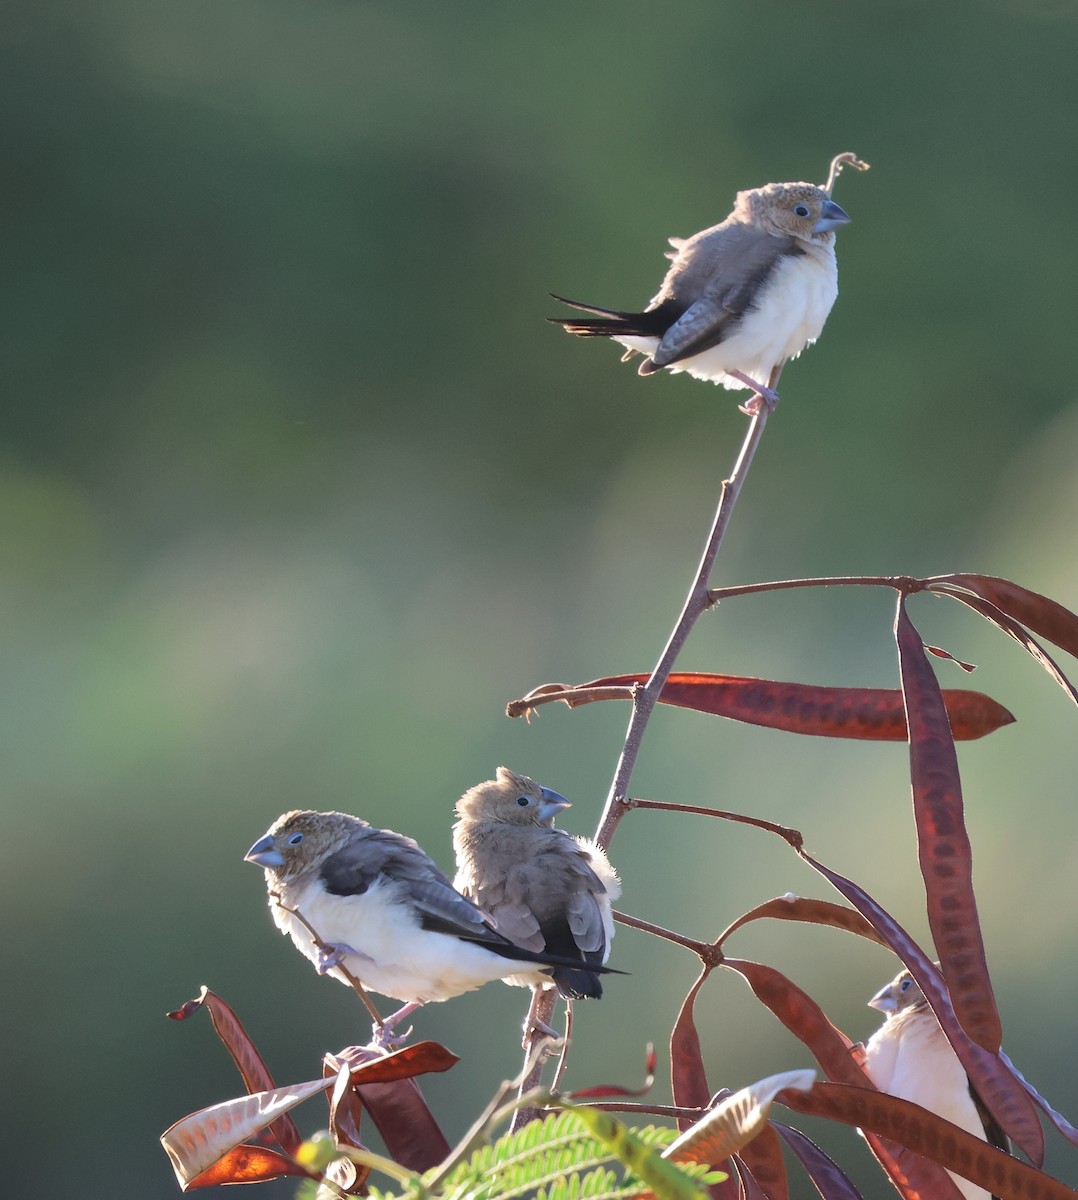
644,698
357,986
906,584
697,602
697,947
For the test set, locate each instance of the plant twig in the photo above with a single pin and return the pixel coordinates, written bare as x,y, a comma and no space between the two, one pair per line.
644,698
358,987
696,603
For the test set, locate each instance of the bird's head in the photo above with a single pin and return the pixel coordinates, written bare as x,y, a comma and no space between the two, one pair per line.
900,995
299,840
800,210
511,799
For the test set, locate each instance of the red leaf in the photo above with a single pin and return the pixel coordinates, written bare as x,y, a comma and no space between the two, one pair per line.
943,846
1044,616
248,1164
385,1086
750,1189
816,912
763,1157
931,1137
869,714
249,1063
688,1078
831,1181
1069,1131
368,1065
1015,630
407,1126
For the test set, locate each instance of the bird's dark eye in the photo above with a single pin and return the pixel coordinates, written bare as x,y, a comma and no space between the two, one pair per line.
801,210
905,985
523,801
295,839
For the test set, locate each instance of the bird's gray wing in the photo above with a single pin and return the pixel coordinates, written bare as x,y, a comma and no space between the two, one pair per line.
717,277
508,909
382,854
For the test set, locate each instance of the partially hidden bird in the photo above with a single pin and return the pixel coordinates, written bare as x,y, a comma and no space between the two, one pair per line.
382,910
909,1056
542,887
740,298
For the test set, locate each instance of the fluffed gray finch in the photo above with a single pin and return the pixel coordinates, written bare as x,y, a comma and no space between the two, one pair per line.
384,910
742,298
909,1056
542,888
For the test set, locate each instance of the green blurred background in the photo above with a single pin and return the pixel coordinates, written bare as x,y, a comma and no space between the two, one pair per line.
297,489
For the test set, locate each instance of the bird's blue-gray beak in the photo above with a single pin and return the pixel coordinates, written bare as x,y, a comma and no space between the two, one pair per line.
264,853
884,1000
831,217
552,804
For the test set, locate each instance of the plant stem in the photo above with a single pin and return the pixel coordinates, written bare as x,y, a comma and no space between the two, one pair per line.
644,698
697,602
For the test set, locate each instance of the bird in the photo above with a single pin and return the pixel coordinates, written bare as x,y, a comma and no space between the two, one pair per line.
909,1056
369,901
740,298
542,887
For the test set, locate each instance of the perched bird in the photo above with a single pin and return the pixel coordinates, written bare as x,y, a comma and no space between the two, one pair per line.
741,298
542,888
909,1056
383,910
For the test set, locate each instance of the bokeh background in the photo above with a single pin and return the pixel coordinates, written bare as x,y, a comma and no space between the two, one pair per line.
297,489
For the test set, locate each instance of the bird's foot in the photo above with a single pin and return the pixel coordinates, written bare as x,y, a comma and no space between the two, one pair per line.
382,1034
332,954
383,1037
764,398
541,1027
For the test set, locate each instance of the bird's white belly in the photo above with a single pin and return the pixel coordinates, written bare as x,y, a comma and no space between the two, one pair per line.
925,1070
790,316
394,955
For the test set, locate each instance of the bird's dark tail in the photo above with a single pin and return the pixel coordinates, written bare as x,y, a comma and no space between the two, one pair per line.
612,322
574,983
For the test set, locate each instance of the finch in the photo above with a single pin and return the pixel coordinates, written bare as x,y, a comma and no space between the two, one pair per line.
741,298
909,1056
383,910
542,888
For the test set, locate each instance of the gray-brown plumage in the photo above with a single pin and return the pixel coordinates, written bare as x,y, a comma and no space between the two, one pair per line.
385,911
742,297
542,888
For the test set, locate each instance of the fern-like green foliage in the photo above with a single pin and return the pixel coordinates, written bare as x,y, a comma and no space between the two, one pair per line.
560,1158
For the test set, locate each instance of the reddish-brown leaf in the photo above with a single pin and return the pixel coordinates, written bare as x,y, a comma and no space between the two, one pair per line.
384,1085
869,714
248,1164
1015,630
930,1136
345,1112
1044,616
249,1063
831,1049
374,1066
750,1187
943,845
831,1181
408,1128
199,1140
688,1078
1069,1131
816,912
763,1157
